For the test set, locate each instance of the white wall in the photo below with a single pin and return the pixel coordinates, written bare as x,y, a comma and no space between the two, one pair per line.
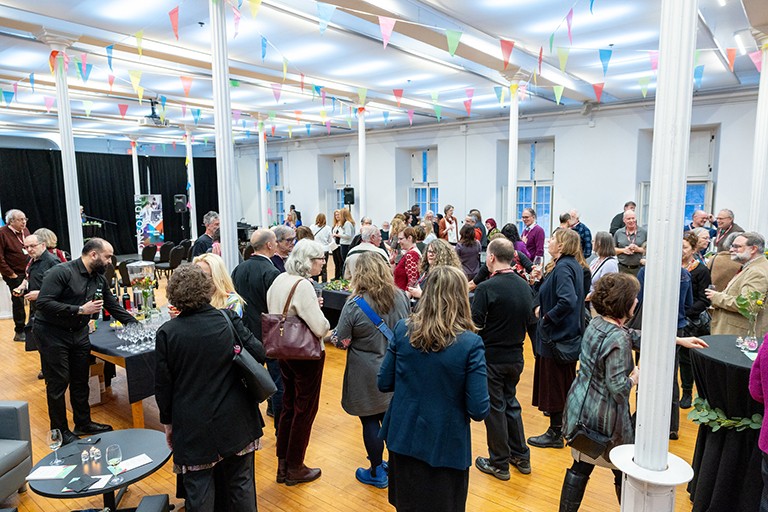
596,167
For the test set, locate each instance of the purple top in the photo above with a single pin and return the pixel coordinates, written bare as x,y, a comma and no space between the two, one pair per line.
535,240
520,246
758,388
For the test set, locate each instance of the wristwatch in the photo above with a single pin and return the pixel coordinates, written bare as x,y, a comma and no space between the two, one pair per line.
80,310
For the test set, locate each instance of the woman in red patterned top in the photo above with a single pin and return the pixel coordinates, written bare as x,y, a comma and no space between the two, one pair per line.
407,269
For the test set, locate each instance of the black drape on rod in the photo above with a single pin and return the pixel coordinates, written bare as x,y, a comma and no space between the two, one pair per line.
32,181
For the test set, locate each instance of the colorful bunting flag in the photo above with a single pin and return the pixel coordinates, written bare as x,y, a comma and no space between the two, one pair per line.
325,12
309,129
85,71
135,75
322,95
513,90
272,129
140,93
361,94
87,106
139,38
757,59
453,37
410,117
32,82
468,107
263,48
569,21
591,4
233,82
386,117
541,57
470,92
236,114
276,90
186,83
551,41
272,115
8,97
123,109
49,100
109,55
598,90
498,90
731,58
237,16
290,132
297,113
605,58
558,92
196,113
398,95
698,74
255,4
302,82
386,25
506,50
435,96
654,56
111,80
562,54
16,90
644,81
328,127
438,112
173,14
183,110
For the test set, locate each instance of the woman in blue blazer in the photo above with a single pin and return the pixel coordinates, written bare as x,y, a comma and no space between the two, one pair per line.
435,365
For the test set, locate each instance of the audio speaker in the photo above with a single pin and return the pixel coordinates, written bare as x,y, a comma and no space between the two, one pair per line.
349,195
180,203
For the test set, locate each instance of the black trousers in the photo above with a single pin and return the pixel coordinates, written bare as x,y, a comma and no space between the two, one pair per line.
228,486
65,358
17,304
504,424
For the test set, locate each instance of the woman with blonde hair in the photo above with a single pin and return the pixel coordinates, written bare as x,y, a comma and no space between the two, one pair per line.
374,291
435,365
395,227
224,294
439,252
50,240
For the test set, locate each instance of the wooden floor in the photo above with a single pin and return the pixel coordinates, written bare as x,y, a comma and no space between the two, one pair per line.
336,447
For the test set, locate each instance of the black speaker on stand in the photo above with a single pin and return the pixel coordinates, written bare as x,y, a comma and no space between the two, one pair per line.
180,206
349,195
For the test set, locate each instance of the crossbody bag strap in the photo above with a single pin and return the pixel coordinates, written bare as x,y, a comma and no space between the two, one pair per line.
237,345
288,300
373,317
604,335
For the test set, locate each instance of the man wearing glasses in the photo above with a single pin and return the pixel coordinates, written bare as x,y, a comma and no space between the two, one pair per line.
286,239
13,263
748,249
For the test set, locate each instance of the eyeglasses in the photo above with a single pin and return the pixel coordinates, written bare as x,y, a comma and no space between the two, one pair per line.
739,246
319,259
431,252
23,219
289,240
33,245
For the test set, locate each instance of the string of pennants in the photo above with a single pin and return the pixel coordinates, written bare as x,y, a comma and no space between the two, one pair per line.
60,61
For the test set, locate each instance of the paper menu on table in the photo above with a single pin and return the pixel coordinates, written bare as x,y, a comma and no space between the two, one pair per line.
751,355
50,472
129,464
103,481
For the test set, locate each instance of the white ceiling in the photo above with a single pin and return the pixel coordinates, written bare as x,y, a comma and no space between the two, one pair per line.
348,56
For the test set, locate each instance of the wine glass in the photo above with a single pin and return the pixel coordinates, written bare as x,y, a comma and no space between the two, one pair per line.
538,260
114,458
54,441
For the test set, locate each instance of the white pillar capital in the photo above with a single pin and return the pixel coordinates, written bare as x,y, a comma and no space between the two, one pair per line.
55,39
760,38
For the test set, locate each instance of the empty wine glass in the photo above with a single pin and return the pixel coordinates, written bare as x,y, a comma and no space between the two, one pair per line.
54,441
114,458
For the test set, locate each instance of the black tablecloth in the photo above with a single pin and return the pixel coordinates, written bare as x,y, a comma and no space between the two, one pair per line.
139,368
726,463
333,303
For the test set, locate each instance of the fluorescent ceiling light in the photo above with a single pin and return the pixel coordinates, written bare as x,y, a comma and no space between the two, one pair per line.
739,37
607,14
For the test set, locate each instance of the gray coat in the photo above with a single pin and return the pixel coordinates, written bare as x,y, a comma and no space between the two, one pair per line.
360,396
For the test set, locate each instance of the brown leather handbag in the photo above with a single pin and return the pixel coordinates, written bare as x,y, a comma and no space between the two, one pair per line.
289,337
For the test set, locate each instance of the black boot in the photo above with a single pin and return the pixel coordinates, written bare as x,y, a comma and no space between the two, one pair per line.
574,486
552,438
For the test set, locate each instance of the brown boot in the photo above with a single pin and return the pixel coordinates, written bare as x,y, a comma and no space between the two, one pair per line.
282,469
301,475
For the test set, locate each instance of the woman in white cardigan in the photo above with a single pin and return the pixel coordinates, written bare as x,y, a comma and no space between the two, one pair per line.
301,378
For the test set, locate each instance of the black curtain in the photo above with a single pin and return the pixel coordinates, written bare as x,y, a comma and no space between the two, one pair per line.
206,189
106,192
32,181
168,177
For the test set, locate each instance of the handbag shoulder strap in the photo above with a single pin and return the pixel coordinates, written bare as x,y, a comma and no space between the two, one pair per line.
236,339
603,335
373,317
290,297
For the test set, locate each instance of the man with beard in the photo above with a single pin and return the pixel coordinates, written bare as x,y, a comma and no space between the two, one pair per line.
68,298
747,249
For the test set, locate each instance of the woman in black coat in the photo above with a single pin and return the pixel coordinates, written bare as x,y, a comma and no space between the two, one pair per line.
211,423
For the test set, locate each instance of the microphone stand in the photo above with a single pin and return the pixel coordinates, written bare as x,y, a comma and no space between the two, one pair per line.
104,221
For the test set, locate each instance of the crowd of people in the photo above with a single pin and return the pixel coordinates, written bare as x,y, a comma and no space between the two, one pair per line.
409,315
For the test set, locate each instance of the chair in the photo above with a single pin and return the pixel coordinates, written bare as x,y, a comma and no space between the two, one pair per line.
165,252
174,260
15,448
156,503
148,253
124,281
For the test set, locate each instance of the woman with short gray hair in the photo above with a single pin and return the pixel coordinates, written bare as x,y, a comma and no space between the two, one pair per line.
301,378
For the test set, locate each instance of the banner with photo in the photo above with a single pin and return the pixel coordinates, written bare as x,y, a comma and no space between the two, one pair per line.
149,220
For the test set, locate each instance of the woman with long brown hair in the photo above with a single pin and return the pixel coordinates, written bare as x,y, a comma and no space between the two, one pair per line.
435,365
373,289
439,252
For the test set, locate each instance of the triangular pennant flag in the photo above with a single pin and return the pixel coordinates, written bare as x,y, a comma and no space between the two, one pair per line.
272,115
569,21
163,100
523,90
470,92
32,82
328,127
562,54
551,41
196,115
410,117
468,106
398,95
654,56
111,80
506,50
139,37
272,129
386,25
8,97
16,90
541,57
438,112
255,4
698,74
453,37
435,96
591,4
163,113
513,90
135,75
78,67
386,117
315,91
349,121
237,16
186,83
322,95
140,93
309,129
644,81
302,82
285,68
325,12
598,90
83,58
183,110
333,104
731,58
276,90
362,92
498,90
290,132
605,58
323,116
263,48
87,106
558,92
696,55
234,83
297,113
174,15
49,103
109,55
757,60
86,73
123,109
236,115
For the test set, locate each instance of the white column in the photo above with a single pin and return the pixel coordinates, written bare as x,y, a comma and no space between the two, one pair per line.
650,472
191,192
263,176
135,162
514,113
362,195
225,158
60,42
758,213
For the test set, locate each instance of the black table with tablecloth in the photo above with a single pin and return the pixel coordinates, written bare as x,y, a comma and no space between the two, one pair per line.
726,463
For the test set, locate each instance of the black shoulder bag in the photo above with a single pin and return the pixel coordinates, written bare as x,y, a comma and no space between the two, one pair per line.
254,376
